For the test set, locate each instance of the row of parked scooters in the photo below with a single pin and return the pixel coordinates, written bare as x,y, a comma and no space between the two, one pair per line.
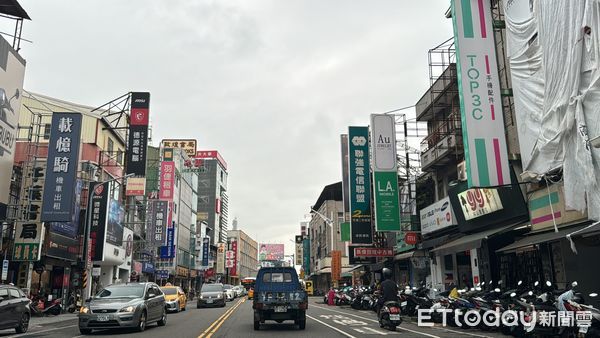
535,305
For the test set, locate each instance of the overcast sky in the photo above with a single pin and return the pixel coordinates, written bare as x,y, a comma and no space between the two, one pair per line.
270,84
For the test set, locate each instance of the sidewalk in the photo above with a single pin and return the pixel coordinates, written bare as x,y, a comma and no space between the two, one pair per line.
40,321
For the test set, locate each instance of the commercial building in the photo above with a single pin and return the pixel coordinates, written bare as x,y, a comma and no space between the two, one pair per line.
245,260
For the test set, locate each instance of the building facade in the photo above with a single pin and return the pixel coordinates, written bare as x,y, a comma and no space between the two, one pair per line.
246,256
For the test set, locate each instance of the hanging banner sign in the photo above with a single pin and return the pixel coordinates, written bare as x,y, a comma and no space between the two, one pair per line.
479,88
138,133
385,173
221,258
99,204
336,265
61,167
479,202
360,186
167,180
373,252
233,271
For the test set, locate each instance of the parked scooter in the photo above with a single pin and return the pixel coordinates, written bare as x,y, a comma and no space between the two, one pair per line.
42,308
74,304
389,315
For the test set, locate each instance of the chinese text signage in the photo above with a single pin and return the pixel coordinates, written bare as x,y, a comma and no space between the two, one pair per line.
138,133
157,221
385,173
221,258
336,265
373,252
479,202
167,180
479,89
61,168
99,203
188,146
360,185
205,250
28,240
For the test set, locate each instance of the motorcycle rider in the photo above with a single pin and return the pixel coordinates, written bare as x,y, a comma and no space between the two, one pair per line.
388,289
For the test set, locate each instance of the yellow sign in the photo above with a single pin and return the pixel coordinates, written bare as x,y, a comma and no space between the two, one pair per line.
188,145
309,287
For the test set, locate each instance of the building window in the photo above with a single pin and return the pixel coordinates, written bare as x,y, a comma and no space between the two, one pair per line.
120,156
110,146
47,128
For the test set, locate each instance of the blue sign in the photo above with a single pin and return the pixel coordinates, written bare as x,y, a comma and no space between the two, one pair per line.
162,274
205,250
147,267
61,168
70,229
168,251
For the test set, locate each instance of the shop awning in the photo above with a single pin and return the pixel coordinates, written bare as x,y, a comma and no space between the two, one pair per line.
542,238
328,270
468,242
430,243
361,266
404,255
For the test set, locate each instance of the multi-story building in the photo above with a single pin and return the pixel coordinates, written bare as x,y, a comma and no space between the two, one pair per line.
325,236
246,255
213,202
101,158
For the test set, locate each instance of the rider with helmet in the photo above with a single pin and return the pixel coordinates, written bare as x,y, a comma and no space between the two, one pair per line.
388,289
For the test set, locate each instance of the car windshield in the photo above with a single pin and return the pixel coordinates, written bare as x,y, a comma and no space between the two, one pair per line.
169,291
121,291
227,287
212,288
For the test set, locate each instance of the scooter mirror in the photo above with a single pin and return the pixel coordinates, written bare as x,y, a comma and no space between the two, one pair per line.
536,283
530,293
548,283
496,290
593,295
513,294
520,282
478,288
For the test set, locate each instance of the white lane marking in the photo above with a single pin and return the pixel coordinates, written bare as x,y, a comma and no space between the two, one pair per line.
375,331
461,332
373,320
358,330
331,327
43,331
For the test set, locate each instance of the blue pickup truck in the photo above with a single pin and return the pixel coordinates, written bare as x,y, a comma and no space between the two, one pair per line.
279,296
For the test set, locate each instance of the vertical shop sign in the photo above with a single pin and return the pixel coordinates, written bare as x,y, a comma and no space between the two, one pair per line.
479,92
360,186
61,167
385,173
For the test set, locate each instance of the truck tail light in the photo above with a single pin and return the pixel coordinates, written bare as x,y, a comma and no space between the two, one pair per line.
303,306
257,306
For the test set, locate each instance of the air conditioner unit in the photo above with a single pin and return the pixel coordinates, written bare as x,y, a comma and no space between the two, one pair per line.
461,170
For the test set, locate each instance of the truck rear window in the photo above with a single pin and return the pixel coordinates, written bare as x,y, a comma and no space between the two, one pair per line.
277,277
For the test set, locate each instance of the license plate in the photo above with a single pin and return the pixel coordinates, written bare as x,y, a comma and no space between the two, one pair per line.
403,303
280,309
209,301
103,318
583,329
394,317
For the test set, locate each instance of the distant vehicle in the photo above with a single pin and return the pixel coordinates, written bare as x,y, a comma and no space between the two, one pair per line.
239,290
15,310
174,297
211,295
279,296
248,283
131,305
229,292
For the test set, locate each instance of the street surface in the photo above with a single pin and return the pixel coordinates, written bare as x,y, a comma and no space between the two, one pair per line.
235,320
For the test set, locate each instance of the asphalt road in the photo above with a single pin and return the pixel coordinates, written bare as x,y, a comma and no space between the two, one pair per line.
236,320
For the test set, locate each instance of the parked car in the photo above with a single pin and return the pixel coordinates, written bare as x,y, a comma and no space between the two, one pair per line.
131,305
229,291
279,296
14,309
174,297
211,295
239,290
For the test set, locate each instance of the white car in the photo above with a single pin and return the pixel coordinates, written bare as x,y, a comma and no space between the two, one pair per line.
239,291
229,291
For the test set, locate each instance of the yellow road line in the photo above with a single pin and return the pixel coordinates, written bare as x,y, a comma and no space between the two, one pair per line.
214,327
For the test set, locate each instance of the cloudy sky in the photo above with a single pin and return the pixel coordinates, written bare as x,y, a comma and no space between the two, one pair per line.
271,84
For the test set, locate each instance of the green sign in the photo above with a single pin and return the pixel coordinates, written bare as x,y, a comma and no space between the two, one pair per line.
345,229
387,211
360,185
385,173
26,252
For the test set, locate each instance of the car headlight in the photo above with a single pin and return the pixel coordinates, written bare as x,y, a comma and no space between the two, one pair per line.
84,309
128,309
219,295
201,297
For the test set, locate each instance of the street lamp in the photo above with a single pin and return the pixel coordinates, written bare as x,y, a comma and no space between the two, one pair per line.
293,253
327,220
86,255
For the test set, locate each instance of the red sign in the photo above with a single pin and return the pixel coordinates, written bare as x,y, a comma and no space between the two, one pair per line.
475,280
373,252
336,265
139,116
167,180
411,238
233,269
212,154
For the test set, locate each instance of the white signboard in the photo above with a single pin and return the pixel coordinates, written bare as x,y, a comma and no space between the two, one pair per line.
221,258
12,72
4,269
480,102
437,216
478,202
96,271
299,253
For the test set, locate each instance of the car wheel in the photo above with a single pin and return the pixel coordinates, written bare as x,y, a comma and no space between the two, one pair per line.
142,324
163,319
23,324
85,331
256,325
